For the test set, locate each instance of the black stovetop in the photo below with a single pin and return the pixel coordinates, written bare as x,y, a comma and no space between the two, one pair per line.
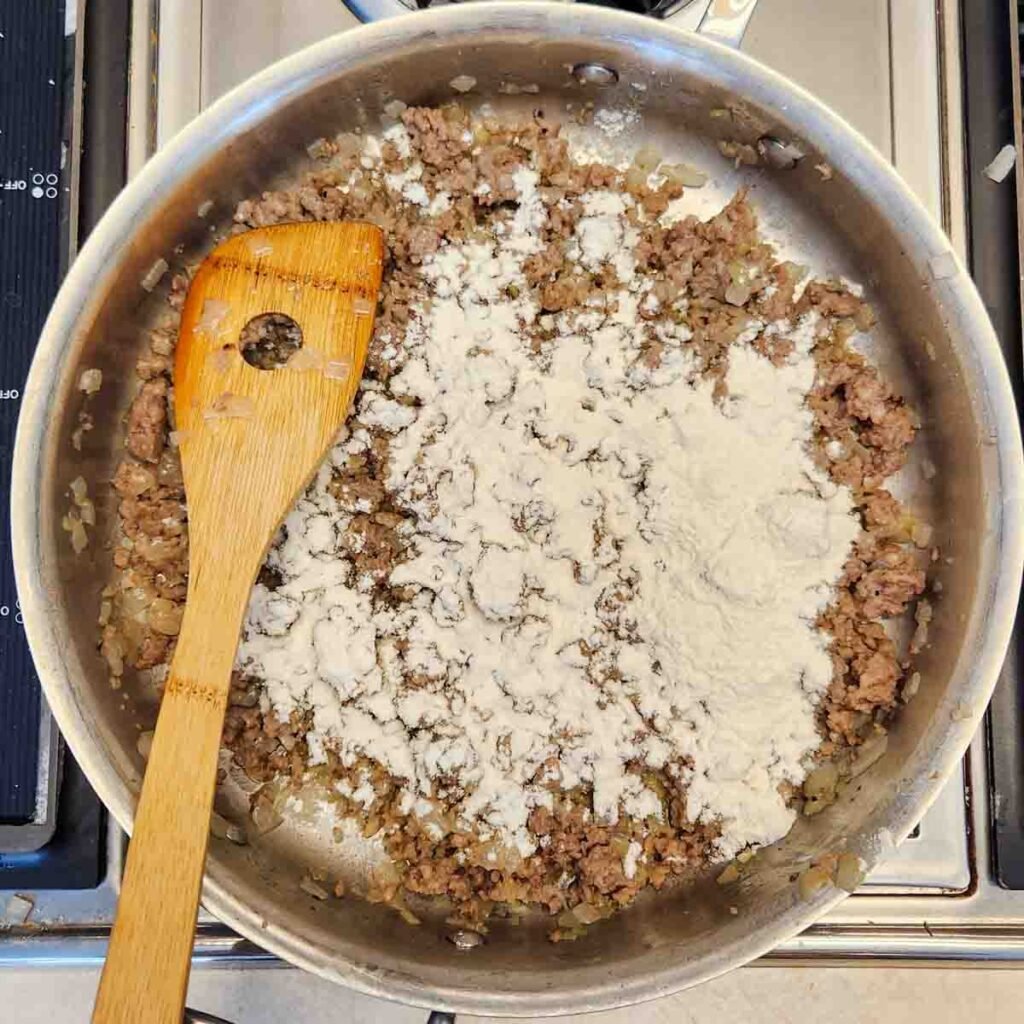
42,219
995,263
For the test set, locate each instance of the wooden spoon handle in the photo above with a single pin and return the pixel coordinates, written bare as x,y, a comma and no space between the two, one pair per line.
147,966
146,973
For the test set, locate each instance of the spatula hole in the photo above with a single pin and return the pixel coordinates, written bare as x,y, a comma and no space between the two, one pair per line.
270,340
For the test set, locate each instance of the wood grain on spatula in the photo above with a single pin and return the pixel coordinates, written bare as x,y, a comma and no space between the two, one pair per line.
250,440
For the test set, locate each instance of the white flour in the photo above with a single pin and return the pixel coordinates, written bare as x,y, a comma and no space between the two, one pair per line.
614,122
612,570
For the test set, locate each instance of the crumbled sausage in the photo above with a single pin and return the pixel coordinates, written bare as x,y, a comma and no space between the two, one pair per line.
890,583
147,421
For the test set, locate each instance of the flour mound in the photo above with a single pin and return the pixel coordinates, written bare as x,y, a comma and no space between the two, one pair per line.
612,569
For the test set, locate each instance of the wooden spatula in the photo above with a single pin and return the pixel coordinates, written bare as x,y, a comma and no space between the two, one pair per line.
250,441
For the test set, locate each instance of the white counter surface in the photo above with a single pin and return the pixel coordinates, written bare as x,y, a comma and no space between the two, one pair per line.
754,995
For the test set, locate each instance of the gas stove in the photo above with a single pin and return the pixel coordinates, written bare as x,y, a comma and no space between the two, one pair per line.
931,83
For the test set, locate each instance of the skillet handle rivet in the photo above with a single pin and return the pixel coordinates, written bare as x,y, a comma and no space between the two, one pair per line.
595,74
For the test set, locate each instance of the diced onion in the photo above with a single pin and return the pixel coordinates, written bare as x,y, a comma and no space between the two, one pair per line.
849,872
586,914
164,616
91,381
910,688
647,159
220,360
18,909
144,744
265,817
221,828
314,889
79,538
822,780
79,489
136,479
154,275
922,535
684,174
737,294
213,312
230,407
337,369
258,245
112,650
1002,164
161,344
306,359
812,881
729,875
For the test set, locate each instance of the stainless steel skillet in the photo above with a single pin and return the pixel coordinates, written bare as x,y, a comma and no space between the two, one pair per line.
933,340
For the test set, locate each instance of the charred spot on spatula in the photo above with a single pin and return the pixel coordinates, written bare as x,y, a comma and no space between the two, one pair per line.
269,340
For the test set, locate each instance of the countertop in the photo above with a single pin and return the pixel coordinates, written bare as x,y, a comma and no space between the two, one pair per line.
773,995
